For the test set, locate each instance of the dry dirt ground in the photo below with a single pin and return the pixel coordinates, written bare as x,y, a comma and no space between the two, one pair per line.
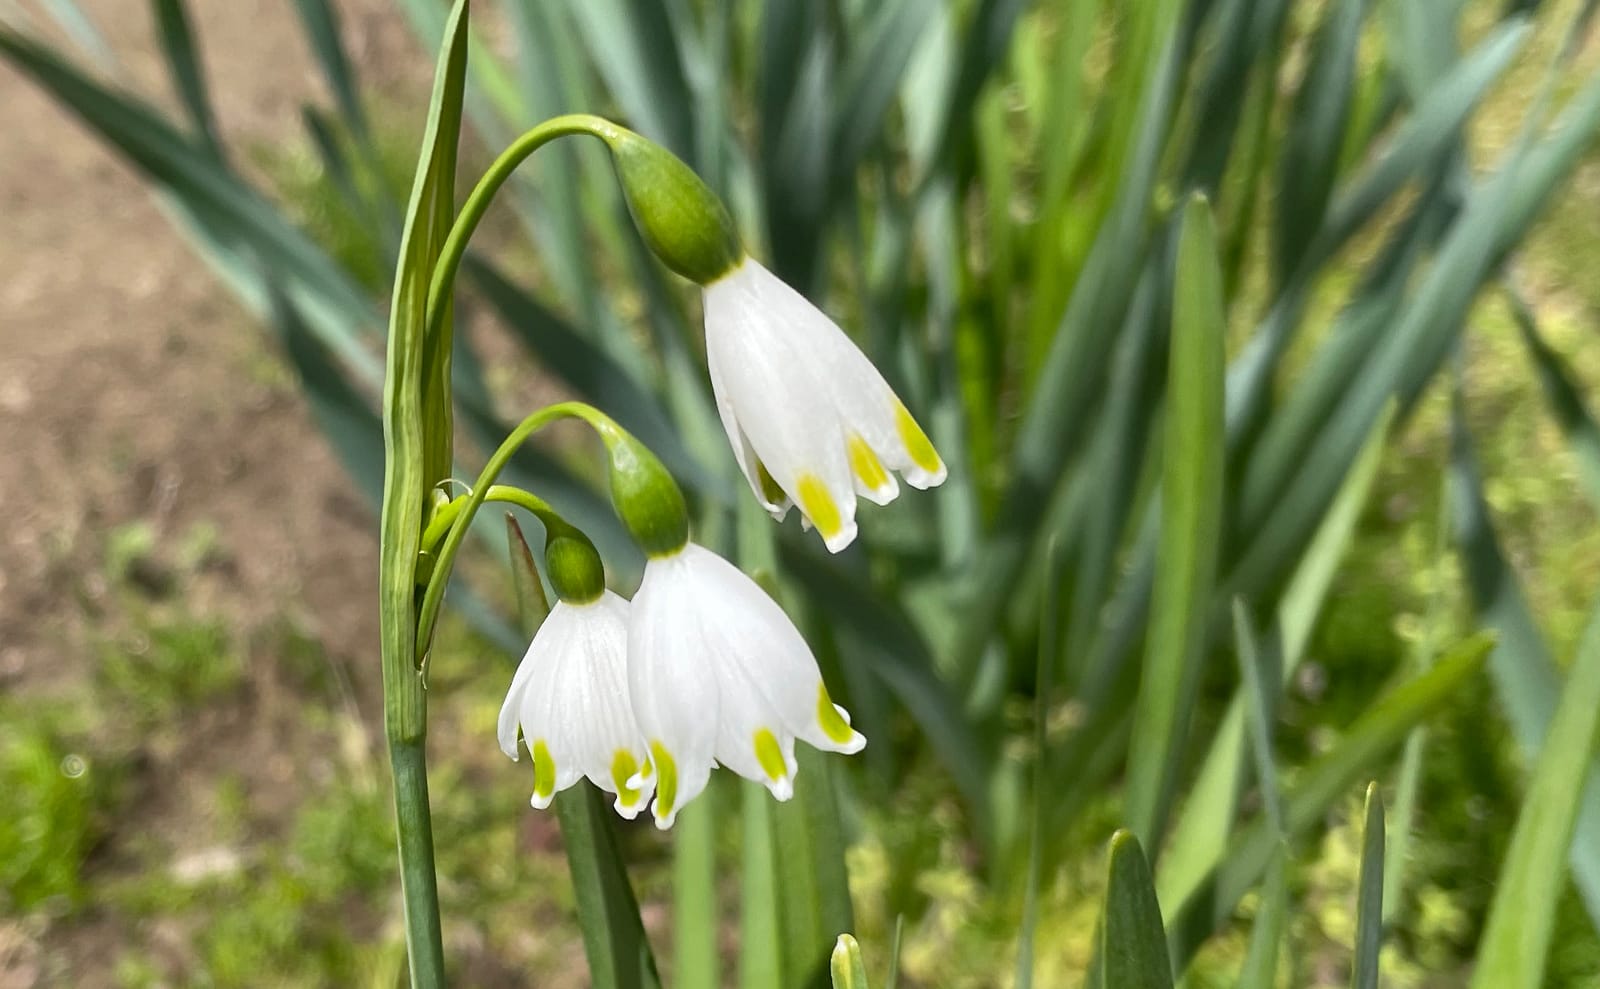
131,391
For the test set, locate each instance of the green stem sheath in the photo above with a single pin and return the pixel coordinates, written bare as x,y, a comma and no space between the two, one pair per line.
455,245
414,825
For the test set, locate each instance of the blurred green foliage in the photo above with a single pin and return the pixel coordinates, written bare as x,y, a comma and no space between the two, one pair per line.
987,193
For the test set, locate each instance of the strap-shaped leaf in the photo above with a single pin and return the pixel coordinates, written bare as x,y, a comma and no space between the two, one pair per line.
1193,452
1133,947
1369,895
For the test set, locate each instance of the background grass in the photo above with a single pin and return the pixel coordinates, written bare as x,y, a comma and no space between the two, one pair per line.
299,889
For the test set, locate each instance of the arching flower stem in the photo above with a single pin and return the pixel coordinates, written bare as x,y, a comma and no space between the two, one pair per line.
472,211
505,494
466,507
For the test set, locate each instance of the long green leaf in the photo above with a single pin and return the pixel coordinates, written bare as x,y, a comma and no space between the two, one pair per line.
1133,949
1195,911
1191,517
1202,834
694,894
1260,969
320,19
1524,673
1517,936
1566,400
635,49
183,61
1315,131
1369,895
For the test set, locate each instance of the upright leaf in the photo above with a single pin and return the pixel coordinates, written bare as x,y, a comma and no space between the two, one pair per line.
1191,500
1315,131
1517,936
1369,895
1133,948
183,62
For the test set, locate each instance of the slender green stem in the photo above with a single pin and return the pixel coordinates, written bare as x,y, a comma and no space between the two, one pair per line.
455,245
445,517
415,830
433,595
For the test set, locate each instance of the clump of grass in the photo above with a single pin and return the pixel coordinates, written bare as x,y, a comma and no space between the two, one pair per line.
58,795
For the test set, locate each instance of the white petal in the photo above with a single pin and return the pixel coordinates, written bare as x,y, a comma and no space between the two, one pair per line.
674,690
574,707
759,650
756,334
743,453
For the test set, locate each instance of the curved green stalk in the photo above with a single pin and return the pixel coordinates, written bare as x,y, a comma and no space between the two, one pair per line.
455,245
433,595
445,517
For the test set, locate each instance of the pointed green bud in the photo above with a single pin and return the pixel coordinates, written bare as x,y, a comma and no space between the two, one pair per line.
574,566
846,966
680,218
646,497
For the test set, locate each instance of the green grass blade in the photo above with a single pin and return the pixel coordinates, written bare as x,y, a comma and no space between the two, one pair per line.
1191,500
814,895
1133,947
1044,676
1517,936
1260,969
761,946
320,20
1315,132
870,79
1072,371
1525,675
1369,896
77,25
694,895
343,413
1566,400
533,604
1261,680
183,62
1201,837
1195,911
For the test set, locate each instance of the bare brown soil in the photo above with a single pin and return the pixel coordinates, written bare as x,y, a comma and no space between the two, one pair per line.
133,389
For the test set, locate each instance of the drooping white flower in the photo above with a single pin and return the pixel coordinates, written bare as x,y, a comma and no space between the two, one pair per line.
570,697
811,421
719,674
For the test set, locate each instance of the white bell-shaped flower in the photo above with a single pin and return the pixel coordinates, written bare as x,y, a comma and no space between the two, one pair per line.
811,421
719,674
570,697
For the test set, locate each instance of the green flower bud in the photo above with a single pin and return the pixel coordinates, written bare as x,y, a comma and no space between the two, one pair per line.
574,565
646,497
681,219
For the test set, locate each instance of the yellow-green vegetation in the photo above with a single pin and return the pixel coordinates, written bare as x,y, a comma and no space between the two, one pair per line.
1000,209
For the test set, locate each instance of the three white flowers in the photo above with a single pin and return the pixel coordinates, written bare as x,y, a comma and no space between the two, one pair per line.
703,668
